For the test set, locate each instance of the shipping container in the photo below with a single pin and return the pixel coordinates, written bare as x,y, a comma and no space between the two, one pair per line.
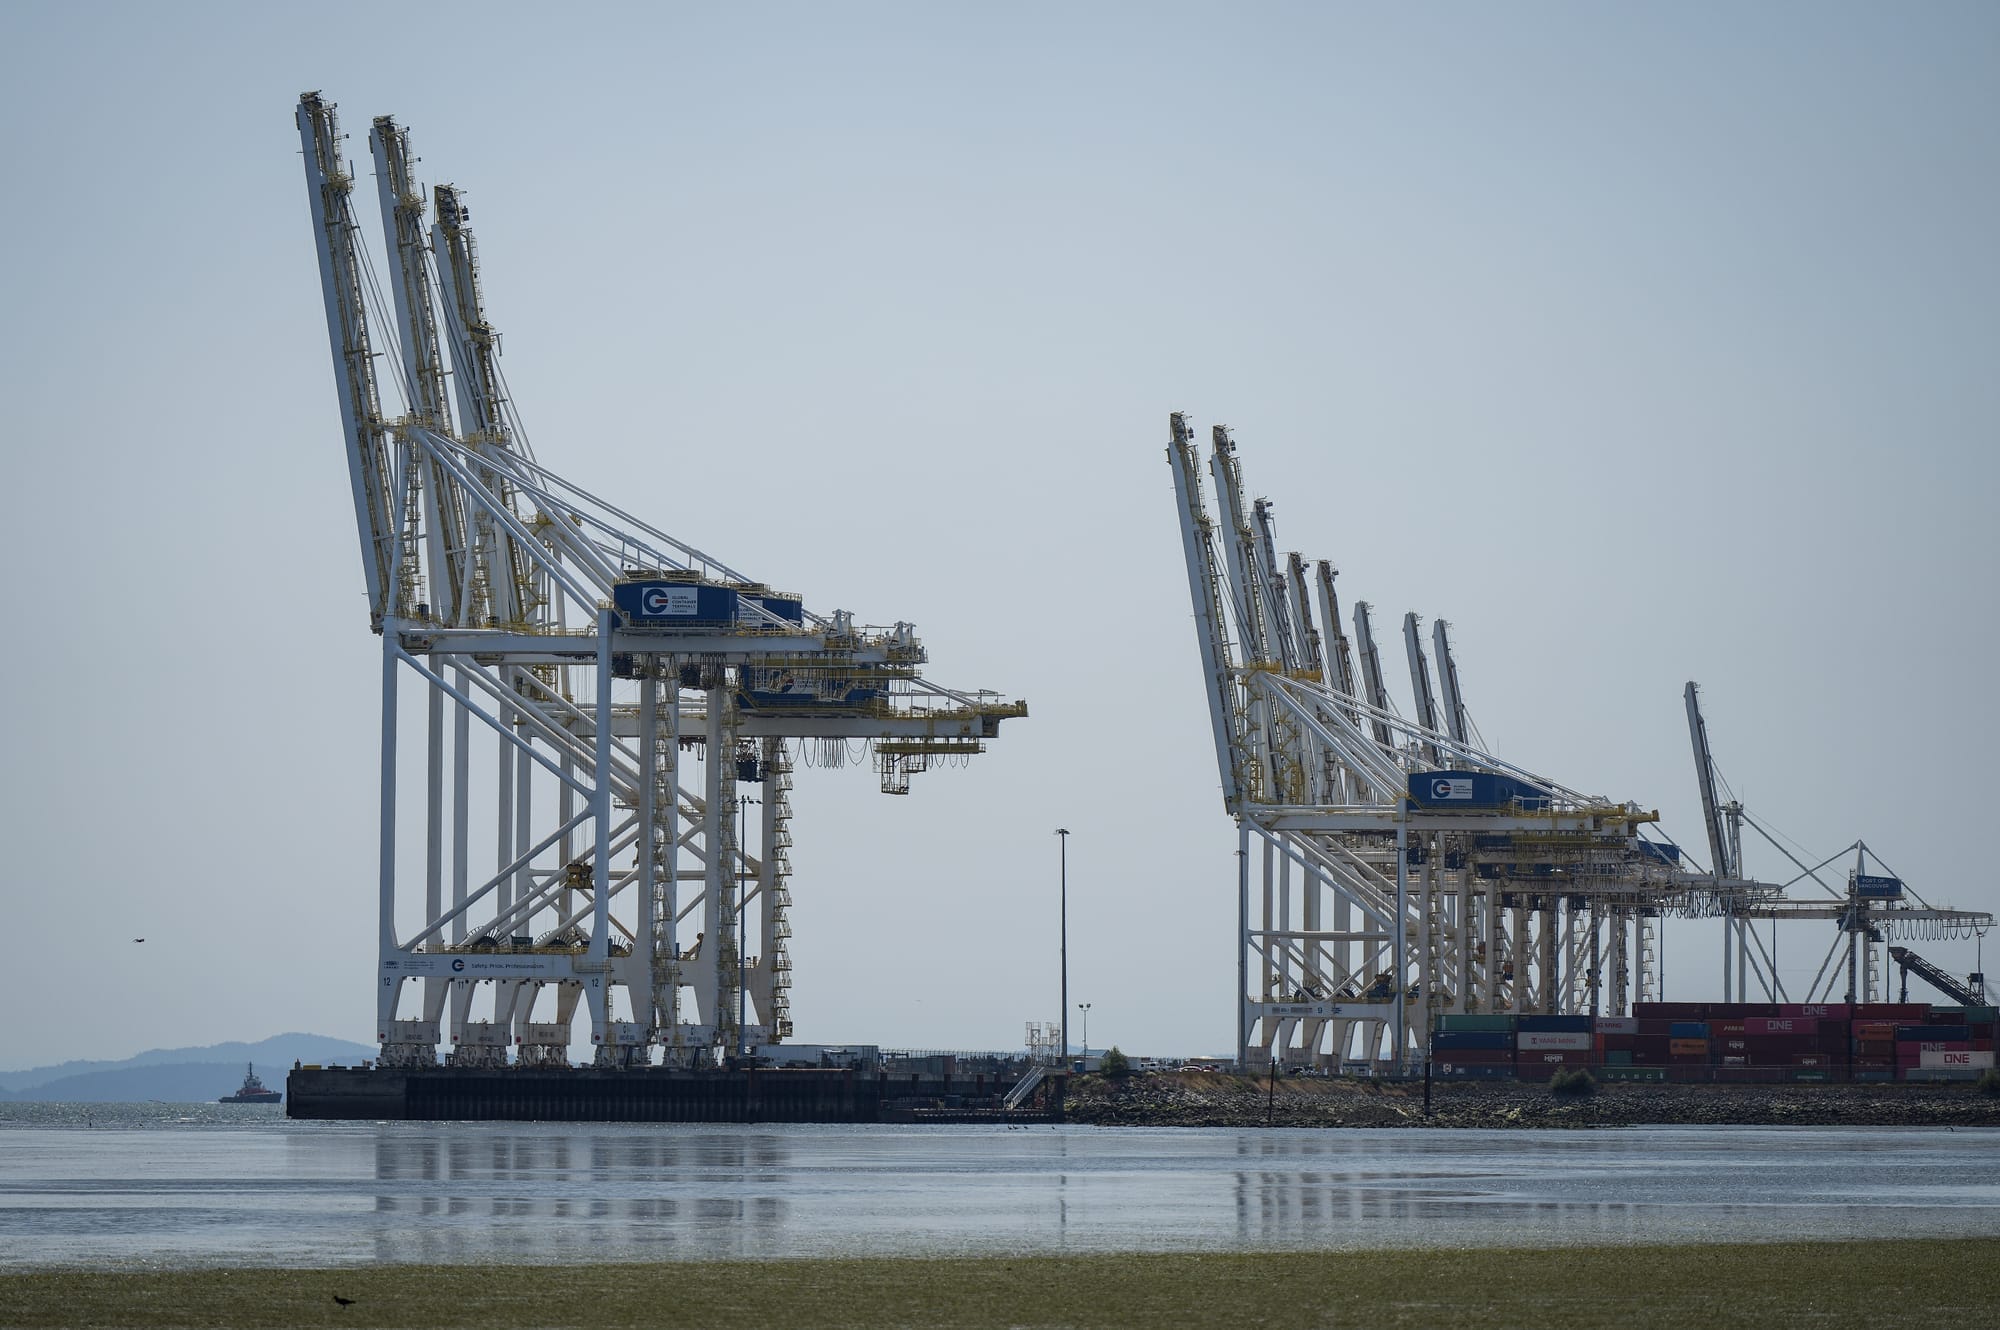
1474,1071
1902,1013
1670,1011
1567,1024
1872,1074
1825,1011
1640,1074
1449,1040
1617,1025
1617,1057
1688,1030
1875,1030
1928,1033
1757,1026
1496,1055
1540,1040
1688,1048
1966,1059
1480,1021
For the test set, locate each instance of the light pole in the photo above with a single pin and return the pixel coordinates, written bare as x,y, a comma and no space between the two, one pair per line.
1084,1007
1063,834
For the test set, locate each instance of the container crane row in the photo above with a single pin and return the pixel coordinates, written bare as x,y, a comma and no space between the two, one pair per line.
642,697
1401,872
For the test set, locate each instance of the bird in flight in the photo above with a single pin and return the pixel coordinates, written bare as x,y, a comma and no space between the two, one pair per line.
138,939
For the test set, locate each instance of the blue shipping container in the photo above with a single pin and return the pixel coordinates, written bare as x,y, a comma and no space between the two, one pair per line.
652,603
1471,789
1446,1040
1562,1024
1688,1030
1930,1034
1668,853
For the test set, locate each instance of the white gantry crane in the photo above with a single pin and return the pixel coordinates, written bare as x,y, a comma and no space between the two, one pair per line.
1870,909
645,703
1399,871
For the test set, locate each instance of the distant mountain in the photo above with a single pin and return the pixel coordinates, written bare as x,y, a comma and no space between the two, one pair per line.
178,1075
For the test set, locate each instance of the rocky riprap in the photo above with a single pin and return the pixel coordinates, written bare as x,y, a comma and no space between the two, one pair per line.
1208,1099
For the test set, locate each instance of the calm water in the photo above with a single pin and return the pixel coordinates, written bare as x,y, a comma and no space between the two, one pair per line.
170,1185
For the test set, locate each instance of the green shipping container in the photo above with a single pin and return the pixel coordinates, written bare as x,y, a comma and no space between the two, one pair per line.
1617,1057
1483,1023
1610,1073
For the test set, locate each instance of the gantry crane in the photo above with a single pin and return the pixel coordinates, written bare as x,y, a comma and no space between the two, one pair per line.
648,691
1400,870
1870,909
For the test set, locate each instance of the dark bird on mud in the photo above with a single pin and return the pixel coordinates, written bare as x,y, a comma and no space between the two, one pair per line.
345,1302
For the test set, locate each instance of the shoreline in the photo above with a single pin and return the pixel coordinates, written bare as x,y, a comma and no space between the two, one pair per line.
1838,1283
1218,1099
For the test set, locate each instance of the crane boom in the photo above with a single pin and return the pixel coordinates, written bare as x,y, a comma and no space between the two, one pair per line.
330,189
1205,592
1274,582
402,205
1454,701
1420,681
499,574
1253,619
1371,670
1704,770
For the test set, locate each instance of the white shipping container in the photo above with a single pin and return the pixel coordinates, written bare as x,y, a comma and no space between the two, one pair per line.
1962,1059
1551,1040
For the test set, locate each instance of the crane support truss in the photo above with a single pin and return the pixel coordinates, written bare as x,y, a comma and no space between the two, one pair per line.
1389,871
644,704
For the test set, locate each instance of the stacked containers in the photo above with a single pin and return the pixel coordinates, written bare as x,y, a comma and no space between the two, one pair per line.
1616,1036
1687,1051
1942,1050
1545,1044
1473,1047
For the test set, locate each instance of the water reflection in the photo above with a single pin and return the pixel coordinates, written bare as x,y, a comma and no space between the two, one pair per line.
535,1196
331,1193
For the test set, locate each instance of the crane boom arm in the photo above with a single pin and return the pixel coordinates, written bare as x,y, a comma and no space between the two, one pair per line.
330,190
1704,770
1205,593
1447,668
1420,681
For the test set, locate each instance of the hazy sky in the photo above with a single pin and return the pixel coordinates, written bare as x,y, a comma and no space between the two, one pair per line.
1645,343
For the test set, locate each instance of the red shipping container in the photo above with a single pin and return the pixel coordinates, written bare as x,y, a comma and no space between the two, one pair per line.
1811,1060
1874,1029
1770,1025
1653,1028
1725,1029
1875,1048
1875,1061
1826,1011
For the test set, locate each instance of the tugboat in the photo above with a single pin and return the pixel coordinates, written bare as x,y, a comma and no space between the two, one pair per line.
253,1091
